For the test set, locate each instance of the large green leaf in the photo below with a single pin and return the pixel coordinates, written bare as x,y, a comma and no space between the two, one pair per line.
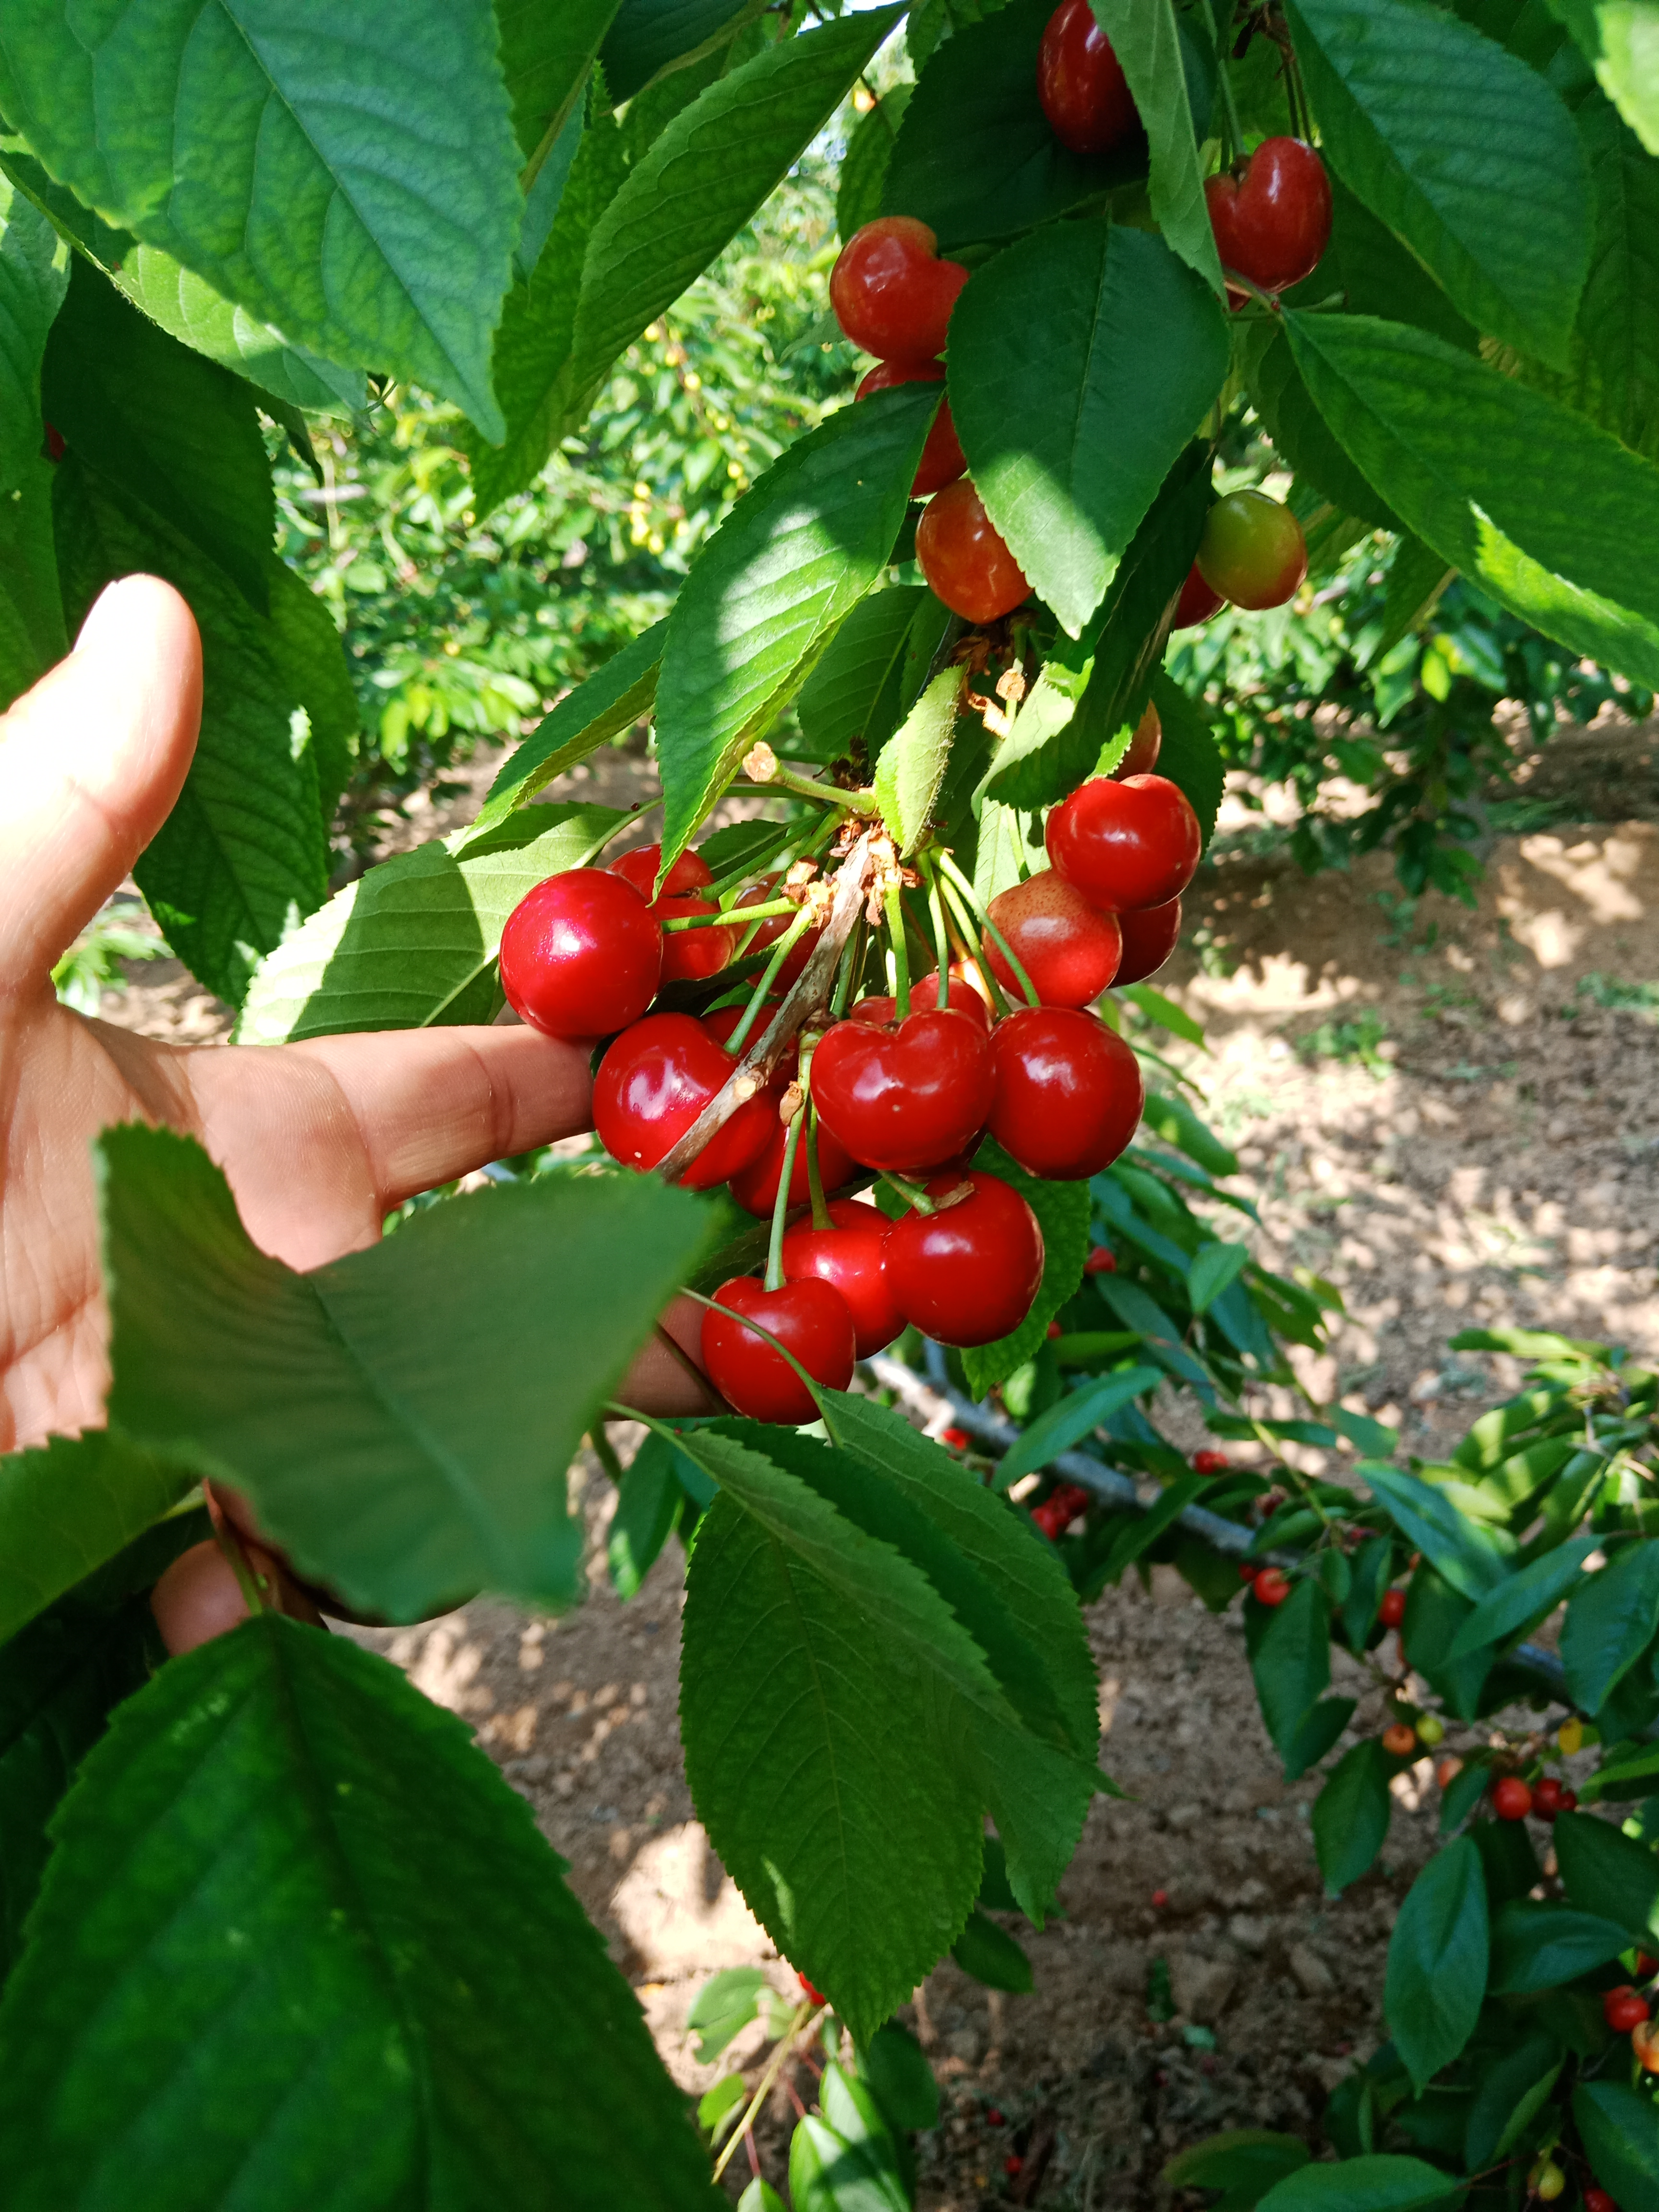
1291,1660
912,760
611,700
800,547
70,1503
1474,1558
1538,1947
1350,1816
345,172
1461,149
1189,755
1062,1211
1146,39
1611,1619
1243,2163
854,694
1620,39
703,178
33,276
1080,361
1070,1419
650,37
244,851
1377,2183
864,167
300,1944
1300,432
32,633
395,1415
1378,276
1608,1872
546,53
1616,2123
1524,1596
412,944
189,309
1438,1954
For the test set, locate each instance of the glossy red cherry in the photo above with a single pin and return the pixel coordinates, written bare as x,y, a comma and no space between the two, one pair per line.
810,1317
905,1097
1101,1261
963,558
1144,747
688,955
767,933
891,292
1271,1587
853,1256
942,458
652,1084
1069,1093
967,1273
1511,1800
1272,215
757,1189
1125,845
959,996
1209,1462
1597,2200
1623,2009
1150,934
1546,1795
1391,1611
1197,602
691,873
1080,83
1069,950
1253,551
581,955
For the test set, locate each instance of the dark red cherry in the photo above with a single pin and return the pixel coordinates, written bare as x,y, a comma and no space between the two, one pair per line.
1144,747
967,1273
1150,936
581,955
908,1097
691,873
1272,214
1070,951
891,292
853,1256
757,1189
767,933
964,558
652,1084
1069,1093
959,996
1081,84
942,458
1197,602
1125,845
811,1316
688,955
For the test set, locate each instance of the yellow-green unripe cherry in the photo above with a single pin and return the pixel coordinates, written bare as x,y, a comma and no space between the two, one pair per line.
1252,551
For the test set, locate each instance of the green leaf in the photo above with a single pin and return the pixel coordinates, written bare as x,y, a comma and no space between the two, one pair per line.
875,2182
546,53
1350,1816
828,2174
602,706
1539,1947
1244,2163
1213,1266
1467,154
1292,1660
350,181
647,1507
1523,1597
727,2095
1632,1767
703,178
795,554
32,633
760,2197
1620,39
1146,39
1607,1873
1299,431
1436,1973
70,1505
726,2002
412,944
854,694
1506,2098
1619,2137
1377,2183
650,38
1189,755
33,277
1062,1211
1474,1560
244,851
864,167
252,1895
1378,276
1171,1118
992,1956
1079,362
1138,1532
189,309
1611,1619
900,2079
1074,1417
404,1445
1417,577
913,762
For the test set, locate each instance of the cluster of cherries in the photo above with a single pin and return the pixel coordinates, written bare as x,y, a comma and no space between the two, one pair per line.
584,955
893,297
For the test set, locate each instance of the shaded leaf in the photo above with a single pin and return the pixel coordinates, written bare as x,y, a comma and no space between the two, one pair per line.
650,38
546,53
1146,37
33,277
70,1505
1189,755
189,309
1538,1947
1611,1619
605,704
1607,1873
647,1507
853,694
864,167
1617,2124
1472,1558
1291,1660
1244,2162
992,1956
1523,1597
1213,1266
1506,2098
913,762
726,2002
1072,1419
1375,2182
1350,1816
1437,1955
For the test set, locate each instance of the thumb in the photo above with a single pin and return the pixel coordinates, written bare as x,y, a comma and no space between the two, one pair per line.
91,760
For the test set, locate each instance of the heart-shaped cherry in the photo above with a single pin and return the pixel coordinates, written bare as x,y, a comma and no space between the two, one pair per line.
853,1256
652,1084
1125,845
942,458
757,1189
908,1097
891,293
581,955
959,996
967,1273
810,1317
1081,84
1150,936
1069,1093
1272,214
964,558
1069,950
688,955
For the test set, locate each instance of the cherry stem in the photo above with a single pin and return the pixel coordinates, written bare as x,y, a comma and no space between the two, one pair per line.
803,2013
967,891
807,787
908,1191
730,914
852,965
821,1217
228,1537
780,952
941,942
780,1203
969,953
1235,128
605,1452
629,822
894,905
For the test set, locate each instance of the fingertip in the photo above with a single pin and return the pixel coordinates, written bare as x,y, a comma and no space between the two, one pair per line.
140,646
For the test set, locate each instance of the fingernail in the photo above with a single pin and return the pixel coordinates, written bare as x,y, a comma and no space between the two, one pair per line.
106,618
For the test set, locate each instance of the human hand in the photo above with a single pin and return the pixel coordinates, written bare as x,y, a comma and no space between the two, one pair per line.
318,1140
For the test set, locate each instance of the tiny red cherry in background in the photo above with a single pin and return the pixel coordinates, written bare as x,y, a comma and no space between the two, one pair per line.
964,559
993,2117
1208,1462
1272,215
1054,1330
654,1081
1080,82
56,448
891,293
852,1255
1623,2009
810,1317
1129,845
1511,1800
1597,2200
1069,950
967,1273
1069,1093
1399,1740
1271,1587
955,1439
907,1098
942,458
1391,1609
1253,551
1546,1795
1101,1261
581,955
1160,1898
1150,934
1013,2163
817,1996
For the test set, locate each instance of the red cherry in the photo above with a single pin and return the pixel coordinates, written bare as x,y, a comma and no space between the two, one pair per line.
688,955
757,1189
1209,1462
1144,746
1101,1261
1150,936
1271,1587
808,1316
1013,2163
1247,1571
909,1097
1597,2200
816,1996
1253,551
1197,602
1054,1330
581,955
964,559
1160,1898
1391,1611
1511,1800
1569,1800
1069,1093
1622,2009
853,1256
967,1273
955,1439
1125,845
691,873
56,448
959,996
1272,215
652,1084
1080,83
767,933
1069,950
993,2118
891,292
1399,1740
942,458
1546,1794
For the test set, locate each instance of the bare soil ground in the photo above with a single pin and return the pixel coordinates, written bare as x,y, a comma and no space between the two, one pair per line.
1452,1115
